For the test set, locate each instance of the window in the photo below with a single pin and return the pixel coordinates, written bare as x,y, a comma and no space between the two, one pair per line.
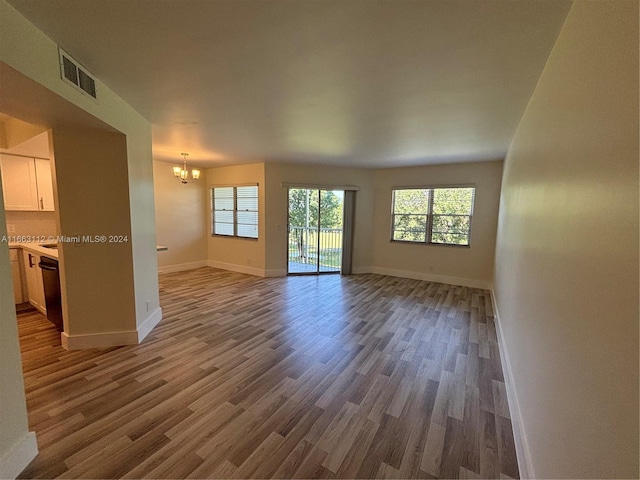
235,211
433,215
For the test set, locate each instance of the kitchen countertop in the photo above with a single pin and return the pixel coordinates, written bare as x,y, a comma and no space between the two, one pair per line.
36,248
53,252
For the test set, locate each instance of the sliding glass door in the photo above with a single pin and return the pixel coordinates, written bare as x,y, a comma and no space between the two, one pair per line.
315,231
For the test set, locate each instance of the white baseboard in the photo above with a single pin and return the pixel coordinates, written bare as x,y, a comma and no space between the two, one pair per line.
430,277
99,340
112,339
183,266
258,272
464,282
520,438
16,460
151,321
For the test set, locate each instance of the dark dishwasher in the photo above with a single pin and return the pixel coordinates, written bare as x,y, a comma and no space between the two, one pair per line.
51,280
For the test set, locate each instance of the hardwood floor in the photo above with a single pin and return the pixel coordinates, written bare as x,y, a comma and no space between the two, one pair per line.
365,376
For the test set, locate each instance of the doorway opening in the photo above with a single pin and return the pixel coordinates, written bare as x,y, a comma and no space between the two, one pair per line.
315,229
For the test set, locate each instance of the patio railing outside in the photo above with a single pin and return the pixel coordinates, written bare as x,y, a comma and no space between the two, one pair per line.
304,252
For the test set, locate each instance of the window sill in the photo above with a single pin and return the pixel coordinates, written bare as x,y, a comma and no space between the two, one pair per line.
408,242
234,237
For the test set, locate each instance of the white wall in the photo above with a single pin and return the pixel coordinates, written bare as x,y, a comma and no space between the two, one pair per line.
181,220
472,266
38,224
143,226
17,445
567,251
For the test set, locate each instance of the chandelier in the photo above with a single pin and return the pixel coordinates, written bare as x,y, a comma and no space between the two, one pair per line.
182,174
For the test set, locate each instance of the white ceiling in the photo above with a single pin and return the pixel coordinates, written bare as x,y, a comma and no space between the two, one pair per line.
350,82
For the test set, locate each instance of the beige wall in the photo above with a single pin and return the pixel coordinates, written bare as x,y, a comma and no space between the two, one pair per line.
240,254
471,266
93,199
16,133
37,145
181,218
267,256
32,91
372,250
567,251
30,52
277,204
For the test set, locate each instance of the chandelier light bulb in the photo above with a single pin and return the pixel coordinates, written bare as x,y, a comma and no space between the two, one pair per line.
182,174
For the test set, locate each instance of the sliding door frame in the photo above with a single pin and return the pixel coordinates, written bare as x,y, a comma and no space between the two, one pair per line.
317,265
347,231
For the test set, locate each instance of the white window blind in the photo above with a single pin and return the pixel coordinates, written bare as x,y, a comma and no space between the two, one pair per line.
433,215
235,211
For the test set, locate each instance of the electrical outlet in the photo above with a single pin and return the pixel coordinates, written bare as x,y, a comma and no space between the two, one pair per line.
248,261
148,304
11,228
432,268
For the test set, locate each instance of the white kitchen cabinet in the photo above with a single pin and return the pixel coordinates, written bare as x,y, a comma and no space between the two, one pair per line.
33,276
44,181
17,277
19,183
27,183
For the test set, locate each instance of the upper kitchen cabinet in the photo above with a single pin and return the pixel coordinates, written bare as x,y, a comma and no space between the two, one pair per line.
44,182
19,183
26,183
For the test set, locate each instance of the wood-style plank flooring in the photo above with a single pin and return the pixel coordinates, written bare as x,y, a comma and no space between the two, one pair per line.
365,376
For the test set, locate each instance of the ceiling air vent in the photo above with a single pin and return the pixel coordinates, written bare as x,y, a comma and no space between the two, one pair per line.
75,74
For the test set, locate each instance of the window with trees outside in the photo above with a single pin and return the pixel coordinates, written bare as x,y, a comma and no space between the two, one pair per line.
439,216
234,211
